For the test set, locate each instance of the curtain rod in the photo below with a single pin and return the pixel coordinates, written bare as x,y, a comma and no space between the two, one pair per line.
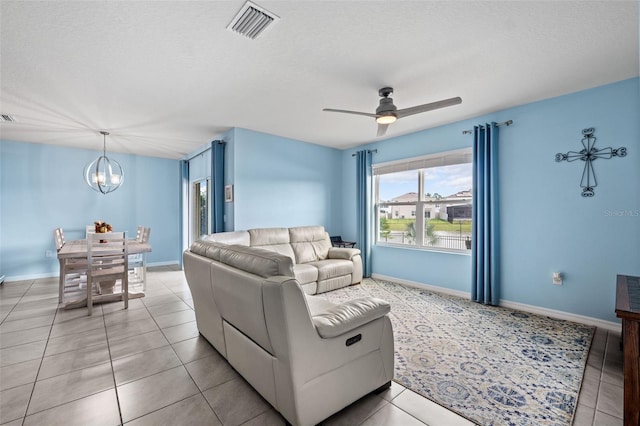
504,123
464,132
371,151
220,142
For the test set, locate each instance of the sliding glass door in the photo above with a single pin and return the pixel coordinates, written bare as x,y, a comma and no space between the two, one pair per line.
200,211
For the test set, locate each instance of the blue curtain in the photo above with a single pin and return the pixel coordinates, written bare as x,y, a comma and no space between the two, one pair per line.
184,206
217,186
363,209
485,247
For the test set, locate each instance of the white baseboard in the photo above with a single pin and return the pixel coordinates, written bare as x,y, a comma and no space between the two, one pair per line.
607,325
31,276
416,284
56,274
568,316
169,263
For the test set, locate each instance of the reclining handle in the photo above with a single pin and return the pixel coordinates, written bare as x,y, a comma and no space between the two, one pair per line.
355,339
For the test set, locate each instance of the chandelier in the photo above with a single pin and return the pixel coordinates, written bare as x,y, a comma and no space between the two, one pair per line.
104,174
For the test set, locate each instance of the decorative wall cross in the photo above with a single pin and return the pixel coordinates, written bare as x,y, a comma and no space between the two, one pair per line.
589,154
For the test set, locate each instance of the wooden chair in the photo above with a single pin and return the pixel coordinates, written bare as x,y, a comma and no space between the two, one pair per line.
72,271
108,258
138,261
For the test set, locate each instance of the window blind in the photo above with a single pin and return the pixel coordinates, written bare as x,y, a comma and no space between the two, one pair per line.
461,156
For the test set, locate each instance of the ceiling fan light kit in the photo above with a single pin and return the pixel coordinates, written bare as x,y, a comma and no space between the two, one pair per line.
386,119
387,113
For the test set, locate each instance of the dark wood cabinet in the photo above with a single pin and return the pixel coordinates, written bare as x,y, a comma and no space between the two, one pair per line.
628,309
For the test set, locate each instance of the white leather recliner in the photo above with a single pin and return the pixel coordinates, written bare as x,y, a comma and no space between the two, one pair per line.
308,357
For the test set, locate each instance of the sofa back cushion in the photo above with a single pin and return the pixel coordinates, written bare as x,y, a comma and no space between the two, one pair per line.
234,237
238,298
272,239
309,243
207,248
257,261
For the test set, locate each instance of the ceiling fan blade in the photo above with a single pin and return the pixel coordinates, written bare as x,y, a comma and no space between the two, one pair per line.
382,129
428,107
350,112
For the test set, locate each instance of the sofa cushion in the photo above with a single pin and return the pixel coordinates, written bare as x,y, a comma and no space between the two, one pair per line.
208,249
272,239
310,243
268,236
234,237
333,283
257,261
305,273
330,268
283,249
304,252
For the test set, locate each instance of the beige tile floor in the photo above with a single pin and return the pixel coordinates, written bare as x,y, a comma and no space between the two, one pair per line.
149,366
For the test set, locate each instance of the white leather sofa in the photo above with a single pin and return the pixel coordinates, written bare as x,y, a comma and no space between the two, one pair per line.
306,356
317,265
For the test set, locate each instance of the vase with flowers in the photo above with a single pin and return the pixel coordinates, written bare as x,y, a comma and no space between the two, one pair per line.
102,227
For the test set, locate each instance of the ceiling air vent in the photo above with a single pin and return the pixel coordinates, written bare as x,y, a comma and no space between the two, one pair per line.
251,20
6,118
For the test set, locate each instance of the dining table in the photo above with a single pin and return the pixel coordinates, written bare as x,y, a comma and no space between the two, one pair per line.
77,249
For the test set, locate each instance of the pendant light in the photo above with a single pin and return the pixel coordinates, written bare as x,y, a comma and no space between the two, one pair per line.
104,174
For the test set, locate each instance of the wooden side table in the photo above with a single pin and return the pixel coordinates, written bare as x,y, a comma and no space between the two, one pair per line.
628,309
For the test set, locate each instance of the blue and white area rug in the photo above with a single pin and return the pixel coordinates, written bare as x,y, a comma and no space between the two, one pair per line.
492,365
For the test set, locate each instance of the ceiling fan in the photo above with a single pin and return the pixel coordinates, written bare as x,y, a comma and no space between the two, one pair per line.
387,113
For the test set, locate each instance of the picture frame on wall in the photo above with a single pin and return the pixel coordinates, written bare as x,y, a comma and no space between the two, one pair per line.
228,193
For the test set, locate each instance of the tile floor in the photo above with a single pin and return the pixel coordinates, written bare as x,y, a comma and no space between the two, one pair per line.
149,366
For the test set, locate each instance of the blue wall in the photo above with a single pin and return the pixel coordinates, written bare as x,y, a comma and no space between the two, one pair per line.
546,224
280,182
42,188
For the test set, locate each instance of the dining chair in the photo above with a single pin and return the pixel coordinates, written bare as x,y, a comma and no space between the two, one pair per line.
108,258
138,261
89,229
73,272
58,237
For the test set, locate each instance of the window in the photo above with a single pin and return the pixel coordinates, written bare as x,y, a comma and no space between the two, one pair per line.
201,217
436,188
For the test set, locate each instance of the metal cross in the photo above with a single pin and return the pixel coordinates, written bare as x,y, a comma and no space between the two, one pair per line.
589,154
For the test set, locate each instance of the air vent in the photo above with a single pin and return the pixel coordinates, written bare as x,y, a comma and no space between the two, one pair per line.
6,118
251,20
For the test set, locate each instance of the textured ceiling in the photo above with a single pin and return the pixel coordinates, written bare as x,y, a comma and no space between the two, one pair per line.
165,77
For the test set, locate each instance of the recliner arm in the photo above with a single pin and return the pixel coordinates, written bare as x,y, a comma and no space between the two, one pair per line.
342,253
349,315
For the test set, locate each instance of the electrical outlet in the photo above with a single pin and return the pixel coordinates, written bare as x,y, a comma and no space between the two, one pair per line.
48,253
557,278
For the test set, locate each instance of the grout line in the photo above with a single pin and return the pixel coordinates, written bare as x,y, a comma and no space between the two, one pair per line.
380,408
16,304
35,380
113,373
